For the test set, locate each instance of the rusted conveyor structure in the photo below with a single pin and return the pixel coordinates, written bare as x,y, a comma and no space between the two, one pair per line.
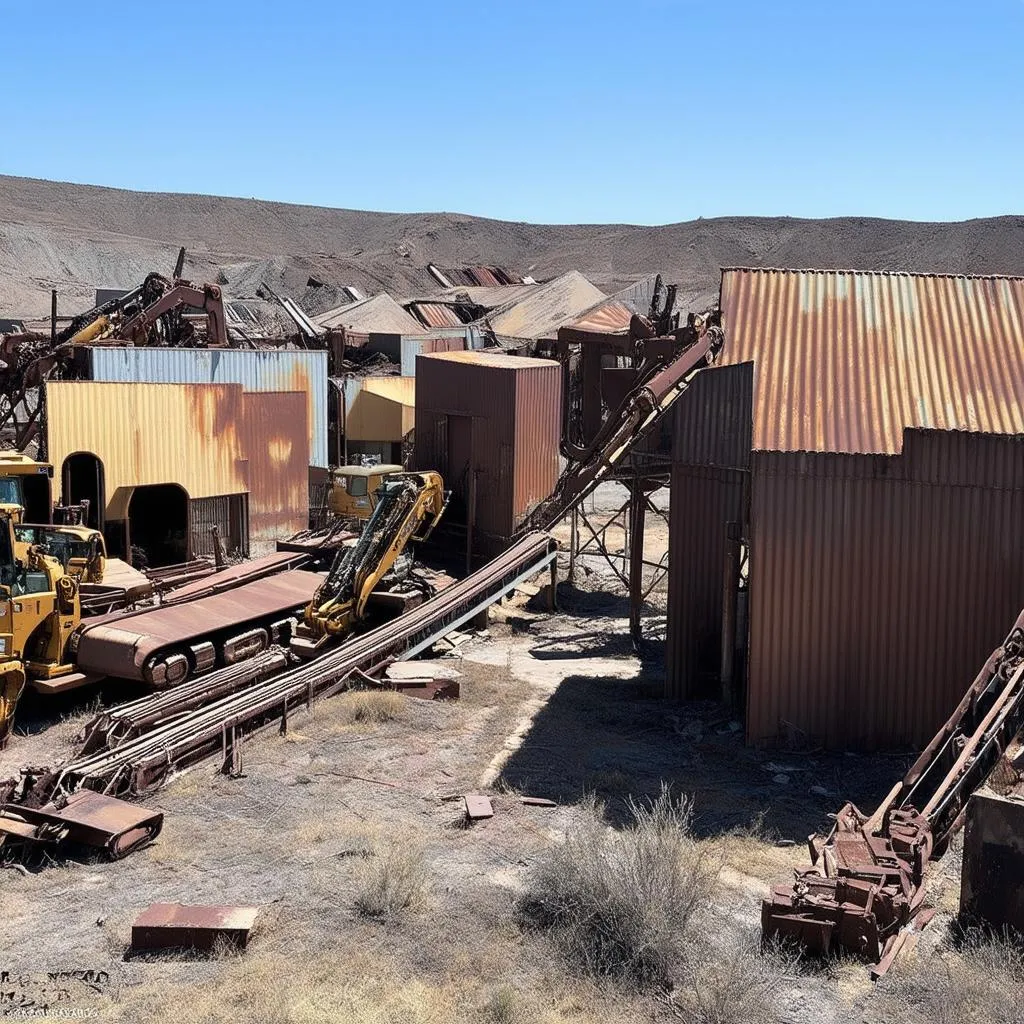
866,890
659,383
141,763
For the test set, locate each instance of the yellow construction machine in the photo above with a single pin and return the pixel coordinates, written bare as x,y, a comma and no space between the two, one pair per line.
355,490
39,610
407,508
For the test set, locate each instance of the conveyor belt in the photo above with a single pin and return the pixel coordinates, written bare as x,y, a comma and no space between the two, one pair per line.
141,763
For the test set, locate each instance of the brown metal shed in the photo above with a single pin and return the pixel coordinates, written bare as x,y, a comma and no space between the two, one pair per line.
861,441
490,424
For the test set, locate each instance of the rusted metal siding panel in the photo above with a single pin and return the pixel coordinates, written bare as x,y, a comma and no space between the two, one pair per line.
876,593
845,361
514,406
261,370
703,501
537,434
276,441
714,418
189,434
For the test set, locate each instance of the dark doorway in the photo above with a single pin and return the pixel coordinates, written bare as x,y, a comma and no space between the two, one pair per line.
82,480
158,524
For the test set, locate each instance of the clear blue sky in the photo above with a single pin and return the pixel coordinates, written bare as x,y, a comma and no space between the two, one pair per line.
647,111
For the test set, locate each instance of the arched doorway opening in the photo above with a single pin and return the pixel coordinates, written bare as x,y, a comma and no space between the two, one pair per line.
158,525
82,479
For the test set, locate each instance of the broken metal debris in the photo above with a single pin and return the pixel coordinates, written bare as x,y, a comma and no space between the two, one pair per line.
174,926
90,819
867,886
478,807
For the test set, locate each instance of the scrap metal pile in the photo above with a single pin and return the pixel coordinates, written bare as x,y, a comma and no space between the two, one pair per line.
164,311
866,891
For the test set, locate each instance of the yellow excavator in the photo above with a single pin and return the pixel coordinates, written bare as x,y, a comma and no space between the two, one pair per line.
408,507
39,610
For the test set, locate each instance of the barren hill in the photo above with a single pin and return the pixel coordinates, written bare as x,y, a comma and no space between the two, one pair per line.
79,237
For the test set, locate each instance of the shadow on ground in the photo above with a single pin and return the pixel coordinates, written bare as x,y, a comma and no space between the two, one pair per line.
618,740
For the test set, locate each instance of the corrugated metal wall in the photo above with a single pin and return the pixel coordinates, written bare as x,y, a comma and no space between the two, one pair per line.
714,418
211,439
151,434
876,591
703,500
261,370
468,418
276,442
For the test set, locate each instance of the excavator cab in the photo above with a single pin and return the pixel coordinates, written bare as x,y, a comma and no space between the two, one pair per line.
355,490
80,550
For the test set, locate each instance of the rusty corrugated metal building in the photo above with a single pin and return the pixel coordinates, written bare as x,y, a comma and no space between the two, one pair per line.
162,463
490,423
862,438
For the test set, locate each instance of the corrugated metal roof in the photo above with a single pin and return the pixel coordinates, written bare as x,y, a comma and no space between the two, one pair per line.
260,370
380,314
498,360
546,307
608,317
845,360
433,314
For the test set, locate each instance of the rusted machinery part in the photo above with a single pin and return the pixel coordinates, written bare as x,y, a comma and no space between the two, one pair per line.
164,645
142,763
638,413
91,819
869,880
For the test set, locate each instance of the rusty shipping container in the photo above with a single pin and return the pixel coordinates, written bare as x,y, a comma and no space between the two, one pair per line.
490,423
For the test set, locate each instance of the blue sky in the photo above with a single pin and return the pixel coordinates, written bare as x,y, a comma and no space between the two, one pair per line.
649,111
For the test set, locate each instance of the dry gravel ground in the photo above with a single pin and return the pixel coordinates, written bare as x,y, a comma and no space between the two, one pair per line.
378,904
78,237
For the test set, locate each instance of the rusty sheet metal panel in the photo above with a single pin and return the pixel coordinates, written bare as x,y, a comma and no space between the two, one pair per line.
713,419
261,370
703,501
846,360
874,591
435,314
450,340
276,442
607,317
189,434
537,434
468,418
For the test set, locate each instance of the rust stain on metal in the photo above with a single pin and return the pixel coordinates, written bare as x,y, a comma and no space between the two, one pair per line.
163,926
845,361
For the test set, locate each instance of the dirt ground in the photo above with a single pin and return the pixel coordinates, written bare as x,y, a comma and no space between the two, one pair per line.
554,706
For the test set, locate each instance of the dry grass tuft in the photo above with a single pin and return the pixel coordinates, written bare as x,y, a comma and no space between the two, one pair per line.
506,1006
624,905
738,983
981,981
392,882
371,707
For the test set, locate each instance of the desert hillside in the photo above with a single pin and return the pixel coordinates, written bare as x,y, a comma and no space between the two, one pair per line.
79,237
